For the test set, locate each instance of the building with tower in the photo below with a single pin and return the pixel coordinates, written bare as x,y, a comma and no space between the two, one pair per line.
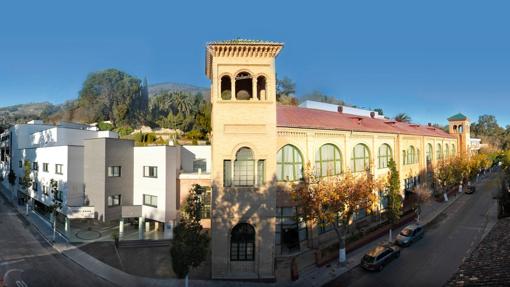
259,148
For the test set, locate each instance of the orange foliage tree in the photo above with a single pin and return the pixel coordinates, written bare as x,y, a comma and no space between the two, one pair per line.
333,200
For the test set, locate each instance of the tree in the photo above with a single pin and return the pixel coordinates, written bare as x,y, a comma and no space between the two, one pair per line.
285,91
11,178
181,103
421,194
190,243
394,198
26,180
379,111
56,205
403,117
334,200
113,95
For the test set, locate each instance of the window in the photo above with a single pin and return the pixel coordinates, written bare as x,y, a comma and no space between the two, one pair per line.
150,171
383,200
59,168
199,164
20,164
114,200
226,88
411,155
35,166
205,199
150,200
404,157
244,86
288,218
261,172
227,173
34,186
261,88
244,168
45,166
242,243
429,153
384,155
328,160
439,152
360,214
114,171
289,164
446,151
417,155
360,158
45,190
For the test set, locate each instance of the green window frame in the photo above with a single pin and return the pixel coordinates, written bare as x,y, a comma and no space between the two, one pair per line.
439,152
384,155
328,160
244,168
289,164
411,155
227,173
360,160
446,151
430,153
261,172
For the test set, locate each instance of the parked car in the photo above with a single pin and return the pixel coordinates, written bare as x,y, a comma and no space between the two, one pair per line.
410,234
470,189
380,256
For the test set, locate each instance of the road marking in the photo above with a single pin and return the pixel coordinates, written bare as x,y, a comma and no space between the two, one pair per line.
9,272
21,283
11,262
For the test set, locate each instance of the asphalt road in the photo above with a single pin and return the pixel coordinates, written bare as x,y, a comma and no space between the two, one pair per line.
27,260
448,240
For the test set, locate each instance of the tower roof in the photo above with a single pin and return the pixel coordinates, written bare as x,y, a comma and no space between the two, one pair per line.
457,117
240,48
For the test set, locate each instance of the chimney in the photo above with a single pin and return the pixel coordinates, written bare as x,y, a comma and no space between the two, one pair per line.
340,109
429,124
372,115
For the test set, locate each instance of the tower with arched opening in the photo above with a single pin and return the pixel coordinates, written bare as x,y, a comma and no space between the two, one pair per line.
459,126
243,97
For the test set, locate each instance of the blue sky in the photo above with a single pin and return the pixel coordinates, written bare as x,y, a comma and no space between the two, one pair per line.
430,59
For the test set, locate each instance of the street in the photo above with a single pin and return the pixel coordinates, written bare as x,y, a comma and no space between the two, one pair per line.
448,240
27,260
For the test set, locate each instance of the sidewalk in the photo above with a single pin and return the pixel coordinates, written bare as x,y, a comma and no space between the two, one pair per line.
320,276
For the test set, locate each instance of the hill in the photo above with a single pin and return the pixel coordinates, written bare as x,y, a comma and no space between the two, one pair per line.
177,87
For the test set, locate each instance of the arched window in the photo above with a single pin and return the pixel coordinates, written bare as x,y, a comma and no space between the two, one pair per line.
384,155
289,164
261,88
244,168
439,152
242,243
360,158
328,160
446,151
411,155
417,155
429,153
226,88
244,86
404,157
454,151
461,129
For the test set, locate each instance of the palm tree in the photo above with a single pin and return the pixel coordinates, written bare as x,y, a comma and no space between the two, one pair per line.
403,117
181,102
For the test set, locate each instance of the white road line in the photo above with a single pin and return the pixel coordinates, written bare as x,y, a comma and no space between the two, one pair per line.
11,262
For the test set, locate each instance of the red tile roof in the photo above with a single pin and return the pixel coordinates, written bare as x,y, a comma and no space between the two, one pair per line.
296,117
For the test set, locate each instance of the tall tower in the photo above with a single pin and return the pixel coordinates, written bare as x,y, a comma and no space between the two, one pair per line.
460,126
243,97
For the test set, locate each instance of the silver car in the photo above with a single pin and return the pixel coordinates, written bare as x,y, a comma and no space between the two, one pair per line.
410,234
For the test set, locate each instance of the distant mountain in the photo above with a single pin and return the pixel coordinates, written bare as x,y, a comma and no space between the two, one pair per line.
177,87
26,112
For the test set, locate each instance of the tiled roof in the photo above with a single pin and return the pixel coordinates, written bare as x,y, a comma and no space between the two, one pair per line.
243,41
296,117
457,117
489,263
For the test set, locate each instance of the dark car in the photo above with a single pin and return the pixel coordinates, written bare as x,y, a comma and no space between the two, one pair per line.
409,234
470,189
378,257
